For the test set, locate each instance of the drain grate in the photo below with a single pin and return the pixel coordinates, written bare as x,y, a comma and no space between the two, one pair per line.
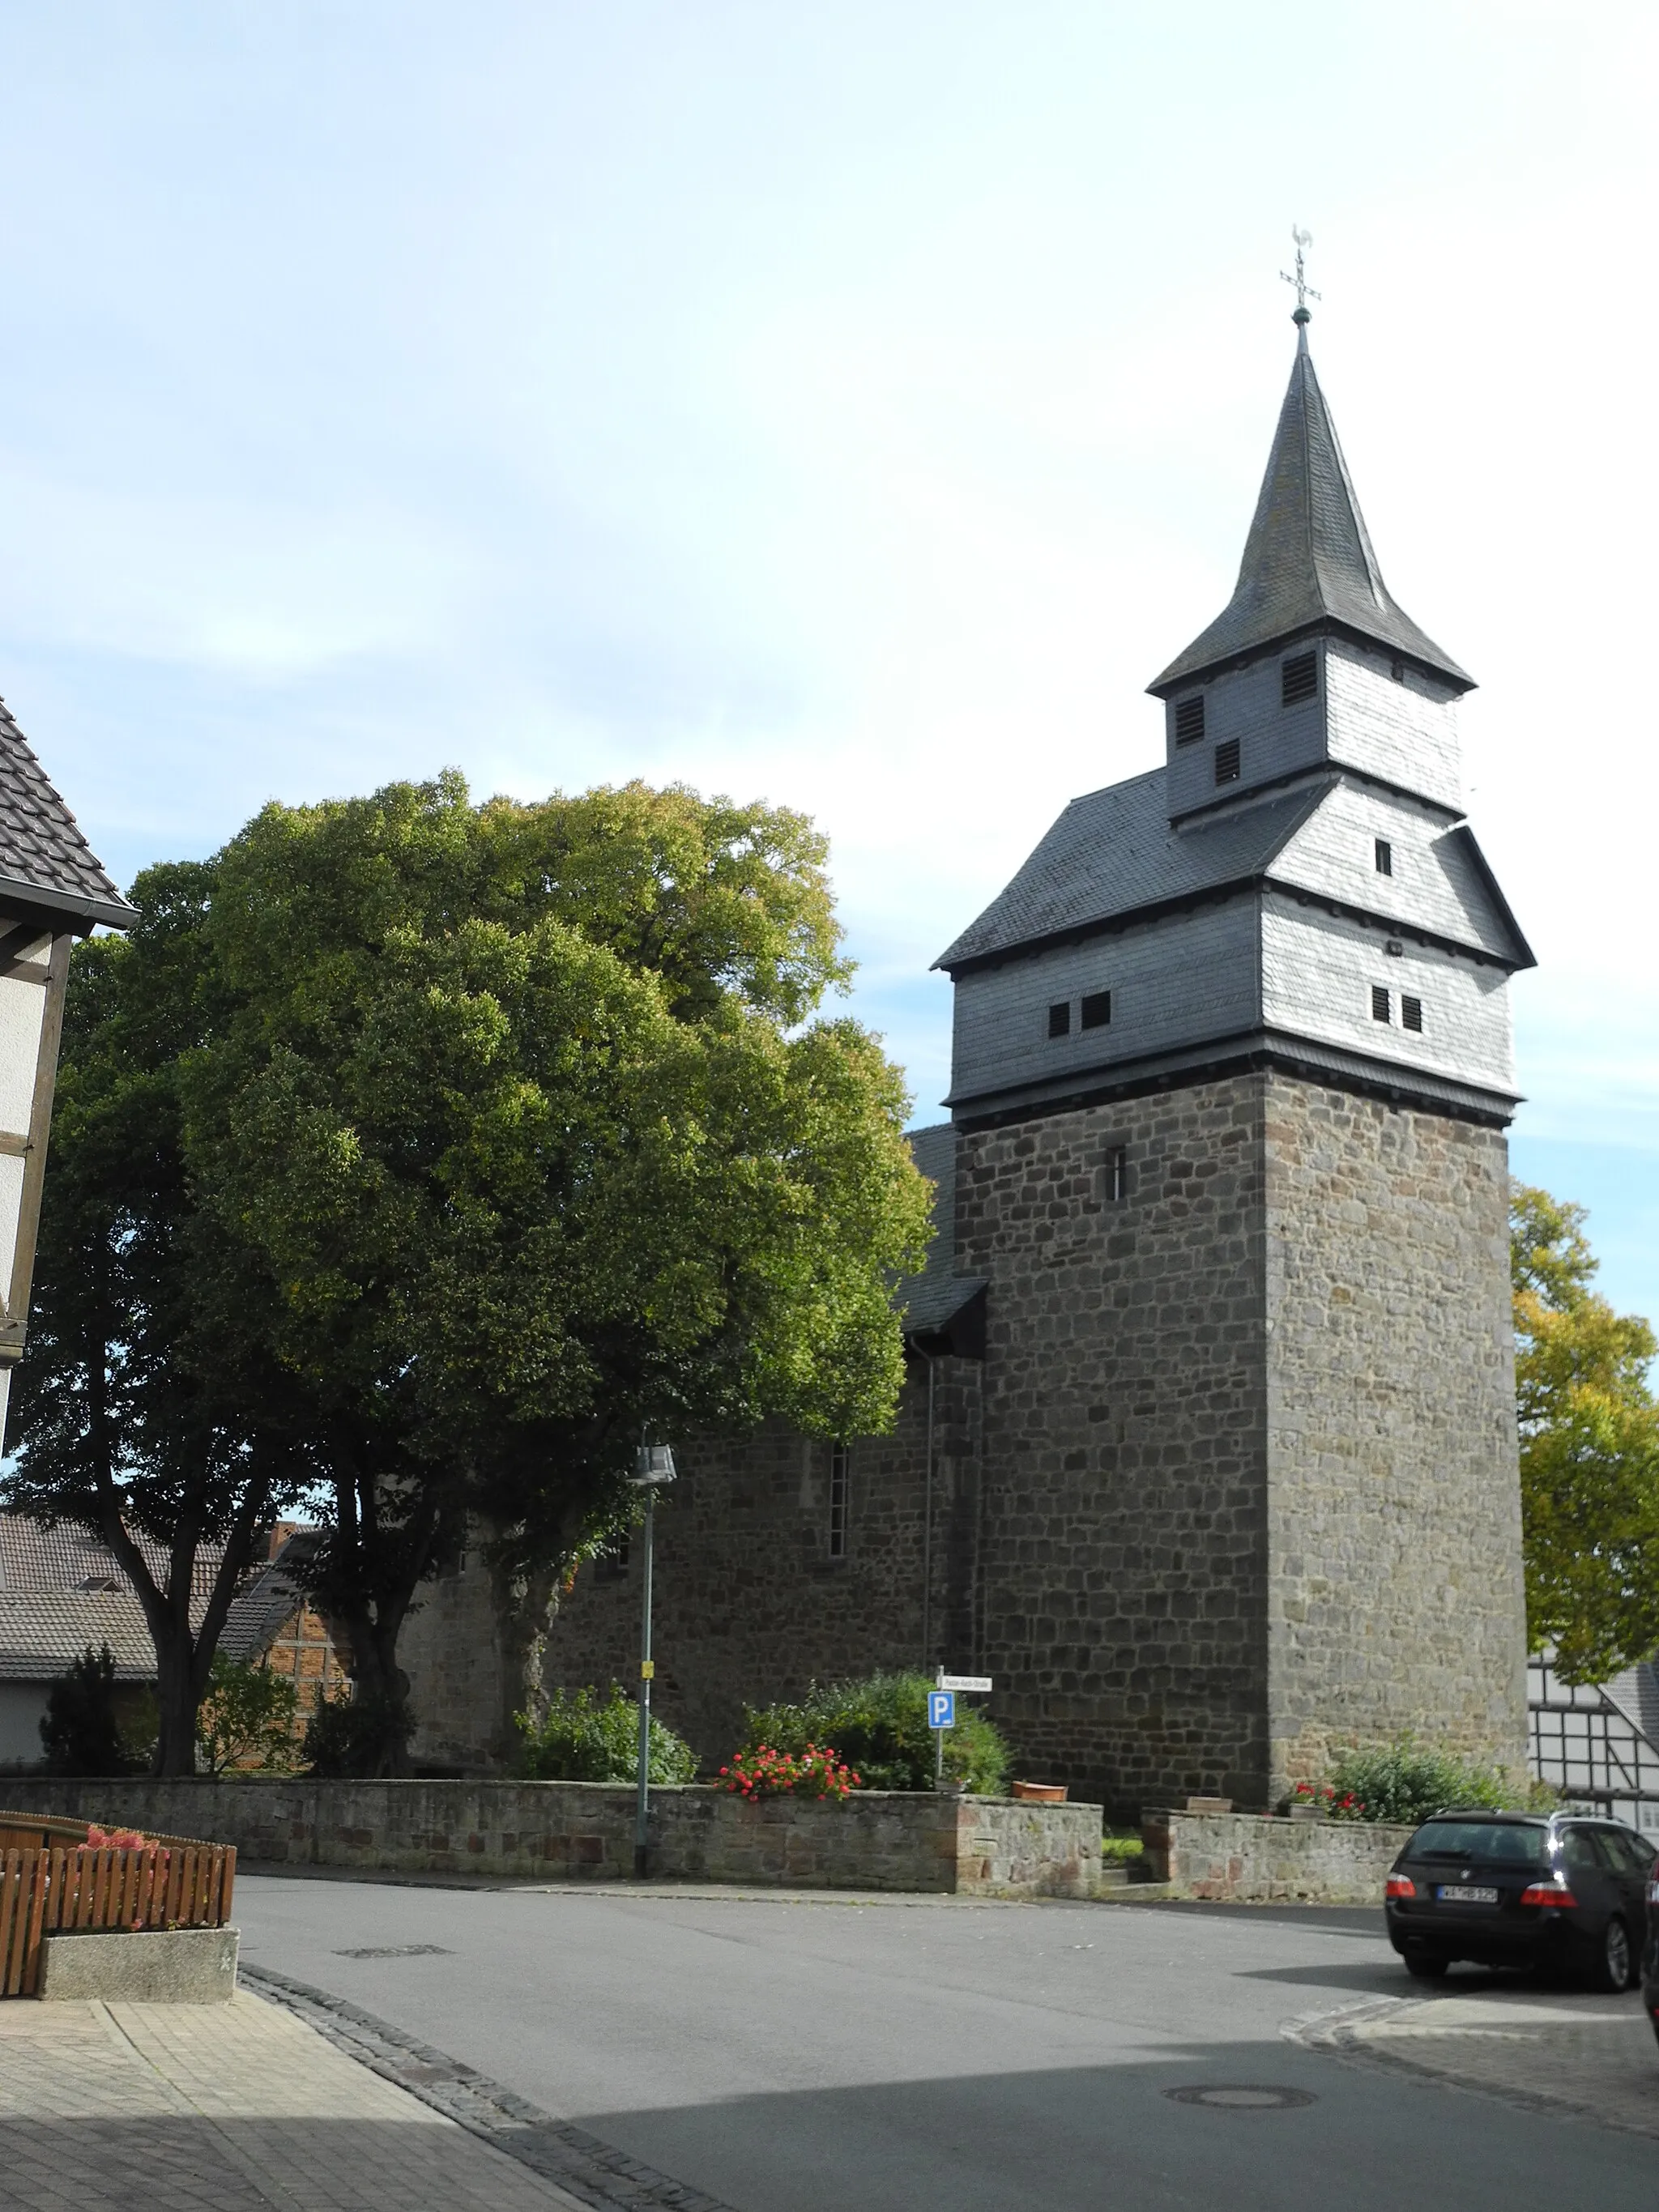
1241,2097
398,1951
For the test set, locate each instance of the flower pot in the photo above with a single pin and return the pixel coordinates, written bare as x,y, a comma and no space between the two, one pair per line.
1040,1793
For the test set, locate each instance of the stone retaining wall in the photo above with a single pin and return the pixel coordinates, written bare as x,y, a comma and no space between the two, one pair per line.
1248,1858
584,1830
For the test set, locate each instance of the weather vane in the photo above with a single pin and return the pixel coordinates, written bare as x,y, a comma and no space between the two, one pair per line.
1305,290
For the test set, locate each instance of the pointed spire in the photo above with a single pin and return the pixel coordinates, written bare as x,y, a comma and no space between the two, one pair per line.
1309,564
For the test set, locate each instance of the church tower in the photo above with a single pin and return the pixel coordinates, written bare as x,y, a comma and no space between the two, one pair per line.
1231,1073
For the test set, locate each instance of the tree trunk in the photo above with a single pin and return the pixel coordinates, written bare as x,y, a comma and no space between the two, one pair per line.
525,1604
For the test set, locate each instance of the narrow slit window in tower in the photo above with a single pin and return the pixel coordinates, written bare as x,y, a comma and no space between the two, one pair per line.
610,1566
1096,1009
1227,761
1298,679
841,1470
1189,720
1384,856
1117,1175
1379,1003
1410,1011
1059,1019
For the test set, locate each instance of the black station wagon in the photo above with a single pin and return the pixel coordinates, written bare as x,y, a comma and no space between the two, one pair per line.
1521,1889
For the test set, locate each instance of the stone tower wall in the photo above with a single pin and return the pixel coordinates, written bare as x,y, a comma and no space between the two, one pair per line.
1124,1562
1396,1600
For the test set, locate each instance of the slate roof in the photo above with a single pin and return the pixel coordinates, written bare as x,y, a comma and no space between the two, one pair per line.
1309,560
44,859
1113,851
932,1300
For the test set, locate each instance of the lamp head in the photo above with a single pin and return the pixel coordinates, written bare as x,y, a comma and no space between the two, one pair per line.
653,1468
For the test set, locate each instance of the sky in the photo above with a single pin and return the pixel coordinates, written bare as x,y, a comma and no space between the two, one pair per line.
852,407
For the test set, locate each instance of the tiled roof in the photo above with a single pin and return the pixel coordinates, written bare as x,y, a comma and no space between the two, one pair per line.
55,1601
44,859
39,1561
42,1636
1113,851
932,1298
1309,559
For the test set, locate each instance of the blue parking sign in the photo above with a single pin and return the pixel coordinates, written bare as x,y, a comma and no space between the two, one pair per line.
941,1709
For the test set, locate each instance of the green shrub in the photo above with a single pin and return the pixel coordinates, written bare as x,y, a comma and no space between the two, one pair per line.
1404,1782
80,1733
587,1737
246,1718
363,1736
879,1726
1116,1850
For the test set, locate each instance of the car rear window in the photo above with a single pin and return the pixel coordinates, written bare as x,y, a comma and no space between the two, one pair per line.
1493,1843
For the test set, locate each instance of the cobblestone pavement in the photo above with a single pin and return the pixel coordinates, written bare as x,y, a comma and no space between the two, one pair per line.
1550,2050
226,2108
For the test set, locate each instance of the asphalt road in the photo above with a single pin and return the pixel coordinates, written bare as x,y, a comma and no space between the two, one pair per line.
815,2056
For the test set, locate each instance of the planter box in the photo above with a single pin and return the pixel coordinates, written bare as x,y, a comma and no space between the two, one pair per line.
584,1832
1248,1859
161,1966
52,1881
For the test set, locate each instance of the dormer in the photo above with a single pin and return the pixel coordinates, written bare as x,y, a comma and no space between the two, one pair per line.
1311,663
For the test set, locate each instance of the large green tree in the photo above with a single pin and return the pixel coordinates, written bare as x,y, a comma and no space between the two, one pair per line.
509,1136
128,1421
1589,1449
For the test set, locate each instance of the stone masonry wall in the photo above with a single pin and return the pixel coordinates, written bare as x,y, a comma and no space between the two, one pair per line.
1123,1555
584,1832
1396,1598
749,1605
1244,1859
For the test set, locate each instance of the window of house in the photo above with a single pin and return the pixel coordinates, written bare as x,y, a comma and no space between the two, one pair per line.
1188,720
1117,1175
1411,1010
1384,856
1227,761
1379,1003
1059,1019
841,1472
1298,679
1096,1009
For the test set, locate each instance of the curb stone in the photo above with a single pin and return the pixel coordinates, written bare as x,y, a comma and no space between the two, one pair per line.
597,2173
1341,2035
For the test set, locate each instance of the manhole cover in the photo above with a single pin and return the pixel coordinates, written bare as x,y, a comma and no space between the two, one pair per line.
398,1951
1228,2097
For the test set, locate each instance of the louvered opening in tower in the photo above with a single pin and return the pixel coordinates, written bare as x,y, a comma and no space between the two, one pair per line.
1298,679
1188,720
1227,760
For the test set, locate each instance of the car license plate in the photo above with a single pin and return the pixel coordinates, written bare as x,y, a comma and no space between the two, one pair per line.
1461,1893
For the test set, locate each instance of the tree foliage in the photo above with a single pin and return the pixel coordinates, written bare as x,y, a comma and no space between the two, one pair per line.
128,1417
1589,1449
496,1137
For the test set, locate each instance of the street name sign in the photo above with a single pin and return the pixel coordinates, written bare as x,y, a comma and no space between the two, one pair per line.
980,1682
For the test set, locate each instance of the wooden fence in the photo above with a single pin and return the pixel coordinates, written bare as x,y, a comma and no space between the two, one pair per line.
55,1884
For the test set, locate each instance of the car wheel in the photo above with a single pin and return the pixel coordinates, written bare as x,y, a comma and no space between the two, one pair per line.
1426,1966
1616,1966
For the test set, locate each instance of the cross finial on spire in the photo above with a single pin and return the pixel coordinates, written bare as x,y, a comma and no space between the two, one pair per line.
1305,290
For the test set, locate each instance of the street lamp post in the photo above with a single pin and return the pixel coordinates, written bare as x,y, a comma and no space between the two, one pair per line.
654,1469
51,891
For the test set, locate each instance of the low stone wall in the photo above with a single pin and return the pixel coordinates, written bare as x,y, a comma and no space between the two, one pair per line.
584,1830
1250,1858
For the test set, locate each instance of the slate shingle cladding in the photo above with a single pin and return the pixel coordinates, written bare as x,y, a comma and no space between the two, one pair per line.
1309,560
45,861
